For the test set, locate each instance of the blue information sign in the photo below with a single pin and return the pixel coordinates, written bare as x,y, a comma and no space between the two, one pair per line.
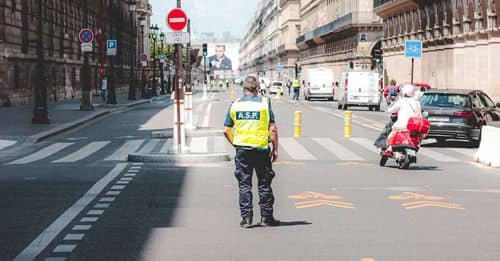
279,68
111,44
413,49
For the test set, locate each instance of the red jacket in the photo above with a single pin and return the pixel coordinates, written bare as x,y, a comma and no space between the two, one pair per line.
387,90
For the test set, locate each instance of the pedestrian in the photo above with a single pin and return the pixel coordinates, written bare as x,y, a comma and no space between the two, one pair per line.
249,126
289,86
104,88
296,89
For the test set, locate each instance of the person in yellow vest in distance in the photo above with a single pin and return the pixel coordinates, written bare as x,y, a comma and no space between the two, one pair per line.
249,126
296,89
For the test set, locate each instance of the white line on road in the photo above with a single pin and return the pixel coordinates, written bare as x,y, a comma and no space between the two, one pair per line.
199,145
82,227
89,219
127,148
338,150
295,150
206,118
73,237
6,143
84,152
150,146
45,238
95,212
64,248
166,147
366,143
437,156
42,154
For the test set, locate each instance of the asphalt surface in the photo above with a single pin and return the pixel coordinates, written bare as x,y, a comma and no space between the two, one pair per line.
334,201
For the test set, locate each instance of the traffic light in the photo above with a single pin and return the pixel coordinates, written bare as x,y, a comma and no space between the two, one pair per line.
377,56
205,50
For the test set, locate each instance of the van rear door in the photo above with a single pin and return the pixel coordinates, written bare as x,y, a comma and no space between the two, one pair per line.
363,88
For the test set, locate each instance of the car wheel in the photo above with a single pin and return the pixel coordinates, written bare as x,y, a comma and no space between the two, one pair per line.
377,108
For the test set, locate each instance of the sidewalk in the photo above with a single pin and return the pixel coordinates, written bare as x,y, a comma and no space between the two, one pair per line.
17,127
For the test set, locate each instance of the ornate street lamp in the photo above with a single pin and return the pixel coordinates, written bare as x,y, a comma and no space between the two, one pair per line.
154,36
142,21
162,66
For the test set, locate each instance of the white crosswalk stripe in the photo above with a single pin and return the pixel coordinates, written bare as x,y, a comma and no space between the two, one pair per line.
150,146
199,145
365,143
42,154
166,146
130,146
295,149
220,144
84,152
6,143
338,150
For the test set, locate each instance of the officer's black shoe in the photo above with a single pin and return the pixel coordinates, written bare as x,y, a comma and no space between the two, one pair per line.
246,222
269,222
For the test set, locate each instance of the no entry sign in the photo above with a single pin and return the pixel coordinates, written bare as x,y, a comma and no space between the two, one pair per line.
177,19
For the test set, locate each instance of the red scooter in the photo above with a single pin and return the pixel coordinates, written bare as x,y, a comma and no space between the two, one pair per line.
406,143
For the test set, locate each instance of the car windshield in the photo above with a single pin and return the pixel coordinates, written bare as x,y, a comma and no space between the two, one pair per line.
443,100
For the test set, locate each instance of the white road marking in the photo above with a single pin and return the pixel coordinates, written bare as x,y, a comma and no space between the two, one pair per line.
101,205
127,179
135,167
295,150
133,171
55,259
107,199
467,152
117,187
338,150
130,175
6,143
206,118
95,212
366,143
81,227
84,152
45,238
199,145
149,147
166,147
42,154
113,193
75,139
74,237
121,182
437,156
137,164
64,248
127,148
89,219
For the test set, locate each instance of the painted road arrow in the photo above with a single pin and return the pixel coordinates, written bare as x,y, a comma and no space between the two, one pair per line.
423,204
329,203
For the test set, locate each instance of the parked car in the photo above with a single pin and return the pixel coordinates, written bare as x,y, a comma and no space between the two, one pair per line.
458,114
360,88
276,86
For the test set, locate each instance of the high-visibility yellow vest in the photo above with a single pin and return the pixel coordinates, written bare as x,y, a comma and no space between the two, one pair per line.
251,123
296,84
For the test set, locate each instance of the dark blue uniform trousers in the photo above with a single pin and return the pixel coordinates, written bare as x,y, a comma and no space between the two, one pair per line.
246,161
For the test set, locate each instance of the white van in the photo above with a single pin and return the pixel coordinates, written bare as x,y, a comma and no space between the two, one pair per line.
359,88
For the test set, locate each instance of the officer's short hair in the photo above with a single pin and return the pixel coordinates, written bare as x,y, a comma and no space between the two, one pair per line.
251,83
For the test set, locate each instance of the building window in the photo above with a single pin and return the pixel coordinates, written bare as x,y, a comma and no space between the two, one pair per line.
13,76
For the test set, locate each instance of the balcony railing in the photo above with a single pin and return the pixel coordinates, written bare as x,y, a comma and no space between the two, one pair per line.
344,21
377,3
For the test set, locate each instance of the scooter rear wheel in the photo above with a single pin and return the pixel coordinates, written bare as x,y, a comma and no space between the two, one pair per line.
383,161
405,164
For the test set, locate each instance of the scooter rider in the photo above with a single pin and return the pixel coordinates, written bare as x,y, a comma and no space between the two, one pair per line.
406,107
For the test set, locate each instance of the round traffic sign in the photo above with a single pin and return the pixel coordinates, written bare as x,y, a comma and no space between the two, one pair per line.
143,57
86,35
177,19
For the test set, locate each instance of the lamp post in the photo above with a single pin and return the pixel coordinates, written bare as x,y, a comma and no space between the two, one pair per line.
162,76
40,113
142,21
132,90
153,35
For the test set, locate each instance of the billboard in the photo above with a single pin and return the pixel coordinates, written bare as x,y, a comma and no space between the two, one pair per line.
223,59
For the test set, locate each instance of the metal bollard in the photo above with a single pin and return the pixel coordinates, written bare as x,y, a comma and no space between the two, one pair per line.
347,124
297,131
189,110
278,95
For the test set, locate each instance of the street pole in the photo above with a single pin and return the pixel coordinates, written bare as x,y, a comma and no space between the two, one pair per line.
412,67
188,58
132,92
40,113
85,104
143,73
162,75
178,93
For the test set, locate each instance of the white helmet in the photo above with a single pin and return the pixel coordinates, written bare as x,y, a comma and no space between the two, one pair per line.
407,90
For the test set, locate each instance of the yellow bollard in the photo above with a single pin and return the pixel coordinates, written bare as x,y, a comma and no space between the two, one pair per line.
232,93
278,95
297,131
348,124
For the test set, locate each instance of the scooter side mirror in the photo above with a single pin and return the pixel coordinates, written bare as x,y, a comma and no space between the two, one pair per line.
425,114
498,105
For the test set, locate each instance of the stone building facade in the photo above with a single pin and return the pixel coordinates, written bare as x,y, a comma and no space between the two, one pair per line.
336,34
461,41
62,22
269,40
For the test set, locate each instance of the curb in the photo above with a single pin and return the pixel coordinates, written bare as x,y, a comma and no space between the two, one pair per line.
183,158
199,132
65,127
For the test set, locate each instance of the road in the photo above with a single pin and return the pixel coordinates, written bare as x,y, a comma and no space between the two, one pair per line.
74,197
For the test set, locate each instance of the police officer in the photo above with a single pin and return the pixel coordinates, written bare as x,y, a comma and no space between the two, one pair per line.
249,126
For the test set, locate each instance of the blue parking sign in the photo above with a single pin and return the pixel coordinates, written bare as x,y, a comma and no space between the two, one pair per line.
111,46
413,49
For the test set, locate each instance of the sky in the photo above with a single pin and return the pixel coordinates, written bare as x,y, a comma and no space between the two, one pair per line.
208,15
